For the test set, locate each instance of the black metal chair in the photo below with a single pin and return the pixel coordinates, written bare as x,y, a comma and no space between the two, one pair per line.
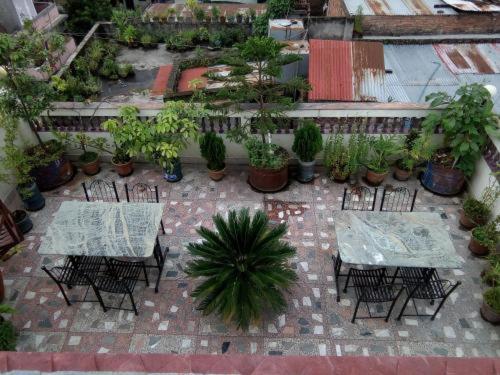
399,199
101,191
160,258
337,265
359,198
371,286
76,271
143,193
431,287
121,278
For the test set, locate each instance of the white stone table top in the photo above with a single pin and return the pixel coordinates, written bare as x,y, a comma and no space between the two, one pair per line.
103,229
405,239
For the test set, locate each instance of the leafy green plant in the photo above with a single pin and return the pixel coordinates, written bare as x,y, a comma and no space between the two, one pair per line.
358,21
265,155
307,141
381,150
466,118
343,159
129,35
261,56
476,210
492,275
199,14
8,335
488,234
125,70
213,150
244,267
215,12
147,40
85,143
417,148
492,298
83,14
275,9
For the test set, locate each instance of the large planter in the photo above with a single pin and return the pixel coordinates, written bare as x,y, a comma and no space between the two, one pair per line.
476,248
32,199
54,174
374,178
22,220
442,180
306,170
488,314
268,180
174,174
124,169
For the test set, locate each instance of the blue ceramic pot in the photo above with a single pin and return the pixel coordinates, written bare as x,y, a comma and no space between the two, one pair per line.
32,199
174,174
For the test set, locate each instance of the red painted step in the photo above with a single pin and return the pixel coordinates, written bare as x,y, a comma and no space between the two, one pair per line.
161,80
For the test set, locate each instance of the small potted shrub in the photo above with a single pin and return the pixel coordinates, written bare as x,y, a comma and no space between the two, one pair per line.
490,309
306,145
148,41
171,14
477,211
243,267
485,238
215,11
214,151
382,149
491,274
22,220
417,148
199,14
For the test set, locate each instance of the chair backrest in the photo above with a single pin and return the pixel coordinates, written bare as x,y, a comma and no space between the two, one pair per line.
142,193
10,235
101,191
359,198
399,199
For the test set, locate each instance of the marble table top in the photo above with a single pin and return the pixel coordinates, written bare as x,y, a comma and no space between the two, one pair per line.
405,239
103,229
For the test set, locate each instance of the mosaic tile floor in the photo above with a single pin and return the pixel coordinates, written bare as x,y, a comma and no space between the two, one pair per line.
314,324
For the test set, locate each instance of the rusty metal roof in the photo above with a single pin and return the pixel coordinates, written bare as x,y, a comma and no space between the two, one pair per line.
475,5
346,70
399,7
470,58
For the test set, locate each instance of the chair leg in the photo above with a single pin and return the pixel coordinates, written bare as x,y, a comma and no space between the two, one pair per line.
443,300
347,281
336,272
145,274
395,275
356,311
162,227
133,303
392,304
99,298
404,306
58,285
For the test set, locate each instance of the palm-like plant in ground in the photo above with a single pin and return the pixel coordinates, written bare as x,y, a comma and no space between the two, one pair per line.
245,267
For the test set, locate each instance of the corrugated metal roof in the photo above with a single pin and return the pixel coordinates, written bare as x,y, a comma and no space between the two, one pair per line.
474,5
469,58
346,70
394,90
398,7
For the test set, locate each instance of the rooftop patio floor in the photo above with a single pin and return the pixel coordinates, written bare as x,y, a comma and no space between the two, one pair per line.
314,324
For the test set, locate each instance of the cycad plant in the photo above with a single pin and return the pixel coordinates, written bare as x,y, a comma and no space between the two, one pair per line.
244,266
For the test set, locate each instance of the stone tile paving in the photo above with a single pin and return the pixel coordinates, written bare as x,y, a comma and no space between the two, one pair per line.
314,323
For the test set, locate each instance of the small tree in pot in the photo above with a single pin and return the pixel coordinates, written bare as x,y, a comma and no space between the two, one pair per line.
306,145
467,118
214,151
244,266
255,71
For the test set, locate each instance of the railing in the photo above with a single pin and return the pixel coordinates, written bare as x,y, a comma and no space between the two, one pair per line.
47,16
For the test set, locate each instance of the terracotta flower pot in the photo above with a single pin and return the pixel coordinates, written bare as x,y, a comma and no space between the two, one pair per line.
268,180
402,174
476,248
92,168
467,223
488,314
124,169
217,175
374,178
337,177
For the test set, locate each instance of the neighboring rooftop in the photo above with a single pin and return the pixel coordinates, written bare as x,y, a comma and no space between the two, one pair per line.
155,11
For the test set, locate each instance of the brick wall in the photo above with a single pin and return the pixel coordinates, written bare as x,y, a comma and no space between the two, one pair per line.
446,24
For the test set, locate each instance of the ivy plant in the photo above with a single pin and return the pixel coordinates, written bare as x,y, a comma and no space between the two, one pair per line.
467,119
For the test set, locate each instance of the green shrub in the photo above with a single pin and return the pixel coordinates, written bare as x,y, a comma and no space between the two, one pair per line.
382,149
125,70
307,141
244,267
8,336
213,150
488,235
492,298
265,155
476,210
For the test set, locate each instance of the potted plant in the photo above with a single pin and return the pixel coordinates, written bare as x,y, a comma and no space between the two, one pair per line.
382,148
171,14
129,36
25,97
306,145
490,309
239,17
241,278
199,14
22,220
477,211
148,42
89,160
491,275
8,335
17,165
262,56
215,13
466,119
485,238
214,151
342,160
417,148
